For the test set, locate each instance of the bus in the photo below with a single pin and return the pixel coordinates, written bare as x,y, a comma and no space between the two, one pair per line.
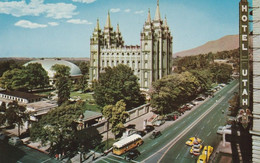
126,144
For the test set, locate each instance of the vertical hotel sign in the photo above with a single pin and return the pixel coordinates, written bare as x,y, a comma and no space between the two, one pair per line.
244,54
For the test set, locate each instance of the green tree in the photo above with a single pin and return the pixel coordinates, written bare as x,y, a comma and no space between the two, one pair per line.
2,119
84,67
204,78
115,84
37,76
234,105
62,82
15,79
3,107
58,129
221,72
8,65
16,114
117,116
172,91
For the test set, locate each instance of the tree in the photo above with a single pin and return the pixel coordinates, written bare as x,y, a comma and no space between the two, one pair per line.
115,84
37,76
234,105
117,116
62,82
84,67
58,128
221,72
2,119
15,79
172,91
25,78
3,107
16,114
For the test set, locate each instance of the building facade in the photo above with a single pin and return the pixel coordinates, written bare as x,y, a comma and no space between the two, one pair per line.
149,61
256,82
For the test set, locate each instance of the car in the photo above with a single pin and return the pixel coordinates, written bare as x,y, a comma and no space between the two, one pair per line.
205,155
132,154
15,141
207,150
141,133
195,149
2,136
193,140
158,122
148,128
155,134
202,159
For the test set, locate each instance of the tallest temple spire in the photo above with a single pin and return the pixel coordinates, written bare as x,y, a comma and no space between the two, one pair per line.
157,13
108,23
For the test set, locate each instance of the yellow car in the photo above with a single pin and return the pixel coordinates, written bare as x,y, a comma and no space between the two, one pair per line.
202,159
206,153
191,141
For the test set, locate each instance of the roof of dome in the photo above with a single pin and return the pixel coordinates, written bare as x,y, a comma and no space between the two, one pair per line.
48,63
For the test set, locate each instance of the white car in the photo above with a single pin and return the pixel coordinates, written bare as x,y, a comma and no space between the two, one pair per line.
2,136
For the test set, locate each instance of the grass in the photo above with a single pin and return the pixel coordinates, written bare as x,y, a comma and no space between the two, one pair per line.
83,96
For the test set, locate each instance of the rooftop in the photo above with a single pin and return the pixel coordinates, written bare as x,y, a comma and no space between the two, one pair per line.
19,94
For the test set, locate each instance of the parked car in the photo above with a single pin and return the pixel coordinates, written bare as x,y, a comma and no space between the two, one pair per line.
15,141
148,128
2,136
141,133
155,134
132,154
158,122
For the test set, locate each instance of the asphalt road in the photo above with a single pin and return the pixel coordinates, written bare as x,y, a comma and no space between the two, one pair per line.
201,122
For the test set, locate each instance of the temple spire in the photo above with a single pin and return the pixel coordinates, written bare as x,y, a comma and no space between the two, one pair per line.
117,28
157,13
108,23
148,17
165,21
97,27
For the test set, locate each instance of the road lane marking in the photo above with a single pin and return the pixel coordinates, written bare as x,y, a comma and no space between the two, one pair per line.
154,143
46,160
105,161
113,159
215,126
209,133
143,151
177,156
208,121
166,135
202,128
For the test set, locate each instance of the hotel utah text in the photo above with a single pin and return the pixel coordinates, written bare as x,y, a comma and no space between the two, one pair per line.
244,54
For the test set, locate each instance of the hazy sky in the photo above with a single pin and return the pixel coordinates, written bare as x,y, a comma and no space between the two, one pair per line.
62,28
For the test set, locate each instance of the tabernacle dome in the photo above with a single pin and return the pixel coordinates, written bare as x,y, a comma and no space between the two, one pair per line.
48,63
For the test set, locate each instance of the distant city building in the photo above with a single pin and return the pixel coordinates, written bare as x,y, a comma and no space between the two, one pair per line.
75,72
149,61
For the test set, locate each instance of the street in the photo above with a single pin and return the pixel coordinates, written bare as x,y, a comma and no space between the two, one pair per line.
201,122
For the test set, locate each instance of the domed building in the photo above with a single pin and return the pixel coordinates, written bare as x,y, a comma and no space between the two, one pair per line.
75,72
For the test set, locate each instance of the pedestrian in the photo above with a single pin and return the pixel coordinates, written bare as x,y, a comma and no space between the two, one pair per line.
222,111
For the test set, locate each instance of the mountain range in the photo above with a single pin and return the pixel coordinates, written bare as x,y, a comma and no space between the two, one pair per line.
228,42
